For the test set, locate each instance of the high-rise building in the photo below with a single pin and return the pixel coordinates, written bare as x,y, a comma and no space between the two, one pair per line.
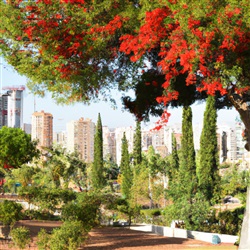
60,138
3,110
227,145
129,132
42,128
158,141
80,138
11,107
109,143
27,128
146,139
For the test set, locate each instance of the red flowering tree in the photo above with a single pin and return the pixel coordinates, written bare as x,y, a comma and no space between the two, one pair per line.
68,47
80,49
169,52
181,50
178,52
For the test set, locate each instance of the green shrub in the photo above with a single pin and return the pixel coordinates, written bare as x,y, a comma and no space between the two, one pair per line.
224,165
68,237
20,237
40,215
43,239
84,209
151,212
230,221
10,212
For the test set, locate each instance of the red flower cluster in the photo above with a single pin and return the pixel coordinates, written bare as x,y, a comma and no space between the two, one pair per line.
162,121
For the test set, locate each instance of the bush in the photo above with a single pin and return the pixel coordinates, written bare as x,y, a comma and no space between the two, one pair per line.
85,209
151,212
10,212
224,165
230,221
192,214
40,215
68,237
43,239
20,237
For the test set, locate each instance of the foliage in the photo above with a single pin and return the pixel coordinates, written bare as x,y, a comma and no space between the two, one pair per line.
137,150
46,198
182,190
230,221
126,172
131,211
174,166
84,209
23,175
187,169
147,88
156,170
224,165
68,237
21,237
234,181
16,148
111,170
81,66
10,212
41,214
43,240
61,168
57,171
139,191
207,170
98,180
151,212
182,52
192,214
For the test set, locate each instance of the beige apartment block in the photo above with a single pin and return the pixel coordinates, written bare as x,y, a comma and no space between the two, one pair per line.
42,128
80,138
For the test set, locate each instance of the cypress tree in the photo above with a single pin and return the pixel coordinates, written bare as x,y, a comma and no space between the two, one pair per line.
137,144
207,170
98,179
187,173
174,166
126,172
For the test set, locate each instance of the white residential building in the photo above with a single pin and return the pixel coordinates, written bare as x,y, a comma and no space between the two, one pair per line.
129,132
11,107
109,143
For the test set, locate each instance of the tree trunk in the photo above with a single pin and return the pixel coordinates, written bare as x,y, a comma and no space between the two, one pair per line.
242,106
245,230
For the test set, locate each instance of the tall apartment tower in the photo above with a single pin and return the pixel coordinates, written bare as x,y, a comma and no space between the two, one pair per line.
109,143
129,132
228,147
11,107
3,110
80,138
42,128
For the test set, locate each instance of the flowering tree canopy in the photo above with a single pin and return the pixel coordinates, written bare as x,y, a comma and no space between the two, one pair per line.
169,52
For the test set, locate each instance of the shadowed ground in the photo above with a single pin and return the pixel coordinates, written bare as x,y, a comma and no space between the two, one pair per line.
112,238
119,238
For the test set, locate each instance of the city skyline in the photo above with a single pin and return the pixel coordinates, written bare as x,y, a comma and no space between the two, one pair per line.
110,117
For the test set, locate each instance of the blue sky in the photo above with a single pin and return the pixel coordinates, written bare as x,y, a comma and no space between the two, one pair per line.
110,117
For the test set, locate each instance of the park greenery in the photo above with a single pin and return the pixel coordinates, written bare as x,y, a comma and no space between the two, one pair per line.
170,53
146,187
16,148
